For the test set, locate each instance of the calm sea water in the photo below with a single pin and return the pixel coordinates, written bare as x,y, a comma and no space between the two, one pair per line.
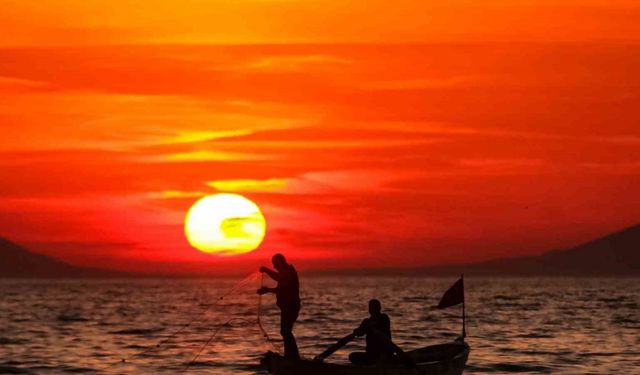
548,325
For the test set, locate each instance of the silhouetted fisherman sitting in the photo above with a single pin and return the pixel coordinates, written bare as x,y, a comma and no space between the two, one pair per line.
377,328
288,300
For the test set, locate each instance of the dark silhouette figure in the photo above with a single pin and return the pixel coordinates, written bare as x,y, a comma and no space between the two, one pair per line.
288,300
377,329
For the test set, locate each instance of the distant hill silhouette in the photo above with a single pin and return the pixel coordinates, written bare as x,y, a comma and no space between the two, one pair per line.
617,254
18,262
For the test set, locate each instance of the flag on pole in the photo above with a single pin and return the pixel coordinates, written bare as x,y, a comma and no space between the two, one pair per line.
453,296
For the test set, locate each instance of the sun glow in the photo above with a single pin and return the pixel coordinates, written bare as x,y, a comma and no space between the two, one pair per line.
225,224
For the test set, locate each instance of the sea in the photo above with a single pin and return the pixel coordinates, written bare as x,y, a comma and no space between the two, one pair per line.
211,326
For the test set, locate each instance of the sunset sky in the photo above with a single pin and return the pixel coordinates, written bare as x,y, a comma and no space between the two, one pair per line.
371,134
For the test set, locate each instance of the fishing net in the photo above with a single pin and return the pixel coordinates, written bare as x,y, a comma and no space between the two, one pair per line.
206,321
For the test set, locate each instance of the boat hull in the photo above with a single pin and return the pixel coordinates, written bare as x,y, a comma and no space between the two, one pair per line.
443,359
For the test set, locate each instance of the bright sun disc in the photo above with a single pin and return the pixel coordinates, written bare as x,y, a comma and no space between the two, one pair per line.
225,224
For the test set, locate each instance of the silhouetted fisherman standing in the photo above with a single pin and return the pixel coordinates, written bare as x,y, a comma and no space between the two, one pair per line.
288,300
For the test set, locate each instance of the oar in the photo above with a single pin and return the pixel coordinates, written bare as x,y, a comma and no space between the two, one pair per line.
333,348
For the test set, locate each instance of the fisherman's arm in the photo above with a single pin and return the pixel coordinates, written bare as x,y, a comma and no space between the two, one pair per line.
271,273
362,329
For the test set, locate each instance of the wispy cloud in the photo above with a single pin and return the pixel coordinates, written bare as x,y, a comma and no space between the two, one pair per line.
621,168
500,162
198,156
247,185
205,135
435,82
7,83
295,63
172,194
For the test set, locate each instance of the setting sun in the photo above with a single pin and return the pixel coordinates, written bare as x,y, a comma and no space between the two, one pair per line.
225,224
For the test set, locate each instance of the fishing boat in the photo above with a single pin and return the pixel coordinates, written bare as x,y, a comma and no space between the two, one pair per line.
442,359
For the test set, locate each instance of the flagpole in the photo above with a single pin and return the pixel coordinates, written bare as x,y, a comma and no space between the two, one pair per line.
453,297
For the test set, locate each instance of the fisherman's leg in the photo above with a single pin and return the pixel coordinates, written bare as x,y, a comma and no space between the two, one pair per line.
287,335
287,319
290,346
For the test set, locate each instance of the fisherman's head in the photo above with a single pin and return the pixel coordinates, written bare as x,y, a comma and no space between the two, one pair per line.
279,262
375,307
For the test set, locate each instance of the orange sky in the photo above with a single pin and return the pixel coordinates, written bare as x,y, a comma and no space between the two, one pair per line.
371,135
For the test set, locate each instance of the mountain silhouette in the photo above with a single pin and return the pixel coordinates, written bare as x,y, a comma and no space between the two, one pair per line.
616,254
18,262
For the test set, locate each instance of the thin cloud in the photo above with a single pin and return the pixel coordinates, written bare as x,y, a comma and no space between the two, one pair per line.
294,63
400,84
202,155
249,185
623,168
173,194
